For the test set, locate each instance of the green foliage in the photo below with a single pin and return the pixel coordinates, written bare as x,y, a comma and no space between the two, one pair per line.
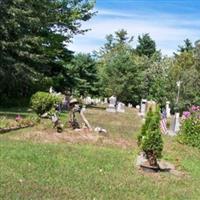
146,45
83,71
190,132
33,39
183,69
42,102
186,47
150,139
118,70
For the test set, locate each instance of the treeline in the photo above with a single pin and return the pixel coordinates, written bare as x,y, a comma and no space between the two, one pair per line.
34,55
34,35
142,72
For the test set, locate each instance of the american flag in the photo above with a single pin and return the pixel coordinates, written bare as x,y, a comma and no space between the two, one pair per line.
163,125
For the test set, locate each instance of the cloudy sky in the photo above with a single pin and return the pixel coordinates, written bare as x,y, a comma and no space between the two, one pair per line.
168,22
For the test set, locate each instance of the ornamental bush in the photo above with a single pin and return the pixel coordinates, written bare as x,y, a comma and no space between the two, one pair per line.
42,102
150,139
190,129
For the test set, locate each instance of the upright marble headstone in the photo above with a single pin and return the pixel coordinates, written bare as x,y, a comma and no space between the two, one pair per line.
130,105
84,108
175,124
168,109
112,104
143,107
105,100
51,90
121,107
138,107
88,100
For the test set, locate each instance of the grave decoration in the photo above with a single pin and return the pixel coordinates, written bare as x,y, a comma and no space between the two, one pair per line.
76,108
8,124
190,127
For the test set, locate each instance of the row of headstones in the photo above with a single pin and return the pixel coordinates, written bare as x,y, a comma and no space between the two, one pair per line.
115,106
88,101
175,119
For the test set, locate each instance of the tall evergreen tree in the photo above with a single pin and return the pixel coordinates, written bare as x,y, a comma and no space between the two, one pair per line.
146,45
33,40
186,47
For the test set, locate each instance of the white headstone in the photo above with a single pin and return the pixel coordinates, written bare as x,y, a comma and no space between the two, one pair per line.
105,100
51,91
175,124
112,104
138,107
121,107
168,109
130,105
88,100
143,107
84,108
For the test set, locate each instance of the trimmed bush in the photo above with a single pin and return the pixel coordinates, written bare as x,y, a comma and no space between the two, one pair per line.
190,129
42,102
150,139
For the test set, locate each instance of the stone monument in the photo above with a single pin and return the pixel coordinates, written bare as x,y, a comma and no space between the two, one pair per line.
112,104
168,109
121,107
143,107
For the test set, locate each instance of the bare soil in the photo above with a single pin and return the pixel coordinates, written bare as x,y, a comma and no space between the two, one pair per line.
74,137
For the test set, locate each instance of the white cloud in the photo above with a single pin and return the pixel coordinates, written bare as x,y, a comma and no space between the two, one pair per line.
168,31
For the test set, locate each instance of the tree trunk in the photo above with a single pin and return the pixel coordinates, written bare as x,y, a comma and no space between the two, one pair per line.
152,159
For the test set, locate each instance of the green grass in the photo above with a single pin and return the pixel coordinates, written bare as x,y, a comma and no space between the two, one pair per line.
124,125
64,171
32,170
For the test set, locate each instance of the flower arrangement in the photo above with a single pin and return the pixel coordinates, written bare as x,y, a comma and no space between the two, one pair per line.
7,124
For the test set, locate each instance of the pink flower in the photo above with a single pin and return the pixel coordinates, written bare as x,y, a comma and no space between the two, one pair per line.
18,118
186,114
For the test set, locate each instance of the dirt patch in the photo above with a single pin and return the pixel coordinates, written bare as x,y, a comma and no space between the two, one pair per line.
74,137
164,167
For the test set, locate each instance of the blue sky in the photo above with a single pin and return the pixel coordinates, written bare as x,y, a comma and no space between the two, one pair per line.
168,22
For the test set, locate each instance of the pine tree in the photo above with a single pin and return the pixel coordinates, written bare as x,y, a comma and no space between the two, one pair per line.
150,139
33,41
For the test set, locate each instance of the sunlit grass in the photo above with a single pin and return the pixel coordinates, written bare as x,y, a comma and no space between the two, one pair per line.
32,170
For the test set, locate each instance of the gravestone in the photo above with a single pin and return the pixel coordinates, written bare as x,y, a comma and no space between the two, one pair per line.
168,109
121,107
88,100
143,107
130,105
105,100
138,107
84,108
175,124
51,91
112,104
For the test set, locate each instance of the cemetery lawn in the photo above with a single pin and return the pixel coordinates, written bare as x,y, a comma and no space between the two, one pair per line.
36,169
